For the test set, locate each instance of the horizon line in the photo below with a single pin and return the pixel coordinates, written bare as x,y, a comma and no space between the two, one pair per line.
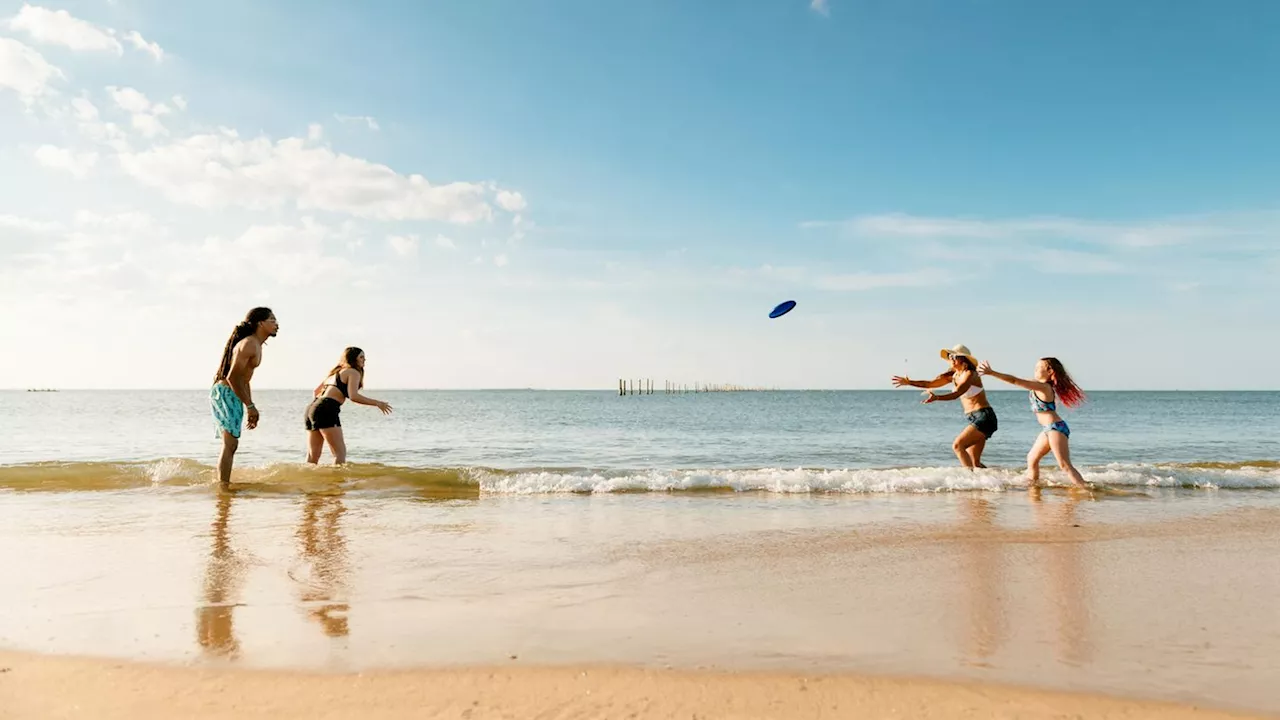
606,390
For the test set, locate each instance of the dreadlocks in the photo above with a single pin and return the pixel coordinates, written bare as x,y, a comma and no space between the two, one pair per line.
242,331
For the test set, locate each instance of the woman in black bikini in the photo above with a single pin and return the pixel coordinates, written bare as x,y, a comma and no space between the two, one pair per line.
323,424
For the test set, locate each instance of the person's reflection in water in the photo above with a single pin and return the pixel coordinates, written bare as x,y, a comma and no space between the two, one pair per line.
215,627
985,582
1068,584
325,550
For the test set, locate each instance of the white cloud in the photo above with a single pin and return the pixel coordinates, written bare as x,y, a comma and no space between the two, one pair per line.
24,70
91,127
180,102
149,125
511,201
500,260
403,245
221,170
129,99
821,7
1172,231
98,257
104,256
86,111
145,115
128,222
59,27
287,255
519,226
35,227
315,131
445,242
368,121
153,49
78,164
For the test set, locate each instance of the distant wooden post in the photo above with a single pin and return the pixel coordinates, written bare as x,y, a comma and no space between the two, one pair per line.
621,389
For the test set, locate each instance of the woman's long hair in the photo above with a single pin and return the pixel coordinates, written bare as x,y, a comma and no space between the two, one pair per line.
242,331
348,360
1069,394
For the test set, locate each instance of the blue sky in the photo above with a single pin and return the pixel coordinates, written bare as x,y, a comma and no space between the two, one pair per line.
557,194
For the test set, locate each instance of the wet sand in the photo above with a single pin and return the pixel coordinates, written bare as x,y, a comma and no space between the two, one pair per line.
735,606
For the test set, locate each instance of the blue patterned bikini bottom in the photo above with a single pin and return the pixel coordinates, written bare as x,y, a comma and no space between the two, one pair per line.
1060,426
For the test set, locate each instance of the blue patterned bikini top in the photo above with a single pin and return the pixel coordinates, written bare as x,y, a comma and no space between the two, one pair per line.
1038,405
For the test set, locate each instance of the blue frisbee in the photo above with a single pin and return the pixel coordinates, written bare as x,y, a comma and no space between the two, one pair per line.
782,309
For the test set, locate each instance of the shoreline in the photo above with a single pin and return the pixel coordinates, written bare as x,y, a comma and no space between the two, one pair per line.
49,686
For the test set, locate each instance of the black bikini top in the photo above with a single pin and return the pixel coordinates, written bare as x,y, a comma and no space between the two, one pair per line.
338,383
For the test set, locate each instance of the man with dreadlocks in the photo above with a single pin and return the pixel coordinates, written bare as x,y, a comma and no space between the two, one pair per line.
230,395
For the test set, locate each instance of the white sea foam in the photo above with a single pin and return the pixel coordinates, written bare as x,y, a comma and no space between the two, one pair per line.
290,477
872,480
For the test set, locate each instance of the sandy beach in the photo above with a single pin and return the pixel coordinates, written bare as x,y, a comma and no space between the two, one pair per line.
54,688
199,604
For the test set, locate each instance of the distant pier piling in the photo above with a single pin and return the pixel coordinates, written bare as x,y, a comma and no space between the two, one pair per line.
669,387
642,386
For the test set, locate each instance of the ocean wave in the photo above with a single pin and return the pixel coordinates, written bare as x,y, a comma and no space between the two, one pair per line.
471,482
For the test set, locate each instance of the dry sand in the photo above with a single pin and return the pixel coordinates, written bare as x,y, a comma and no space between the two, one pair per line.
49,688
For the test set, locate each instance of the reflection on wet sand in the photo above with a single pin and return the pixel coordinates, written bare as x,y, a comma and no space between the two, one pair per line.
988,623
1058,555
324,550
1068,582
215,627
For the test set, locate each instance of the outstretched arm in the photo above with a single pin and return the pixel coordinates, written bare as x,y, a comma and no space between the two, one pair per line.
960,390
353,392
943,379
985,369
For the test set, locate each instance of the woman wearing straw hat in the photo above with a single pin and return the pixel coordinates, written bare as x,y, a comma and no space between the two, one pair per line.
981,417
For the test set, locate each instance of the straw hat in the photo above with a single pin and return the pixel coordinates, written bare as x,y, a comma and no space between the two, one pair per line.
958,350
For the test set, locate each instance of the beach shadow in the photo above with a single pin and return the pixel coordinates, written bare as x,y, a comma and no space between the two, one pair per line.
215,624
324,552
1068,578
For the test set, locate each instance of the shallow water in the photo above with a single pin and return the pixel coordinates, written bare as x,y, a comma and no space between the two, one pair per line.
599,430
522,442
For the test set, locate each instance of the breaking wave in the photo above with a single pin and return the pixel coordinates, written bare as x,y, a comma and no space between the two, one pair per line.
471,482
